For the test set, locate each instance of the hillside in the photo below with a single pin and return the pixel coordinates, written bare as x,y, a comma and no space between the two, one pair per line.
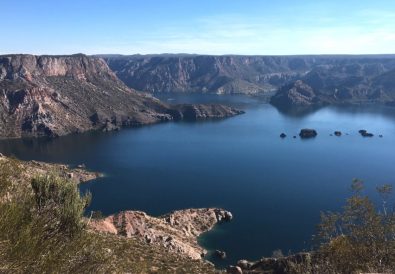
332,79
357,83
43,229
58,95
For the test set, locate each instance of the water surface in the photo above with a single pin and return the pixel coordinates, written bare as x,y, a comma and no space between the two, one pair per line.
275,187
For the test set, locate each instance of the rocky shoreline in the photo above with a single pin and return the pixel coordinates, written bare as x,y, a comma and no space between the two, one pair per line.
58,95
33,168
176,231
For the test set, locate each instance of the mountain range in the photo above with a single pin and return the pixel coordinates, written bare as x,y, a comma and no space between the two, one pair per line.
59,95
291,80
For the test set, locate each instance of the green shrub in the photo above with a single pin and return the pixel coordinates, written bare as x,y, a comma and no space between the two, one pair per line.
42,230
362,237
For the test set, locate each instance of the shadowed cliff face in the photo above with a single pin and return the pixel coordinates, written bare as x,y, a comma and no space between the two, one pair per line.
215,74
296,80
58,95
341,83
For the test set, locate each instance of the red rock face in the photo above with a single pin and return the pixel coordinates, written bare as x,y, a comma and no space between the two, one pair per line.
58,95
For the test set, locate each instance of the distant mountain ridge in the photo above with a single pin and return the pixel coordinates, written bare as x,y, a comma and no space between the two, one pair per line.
58,95
332,78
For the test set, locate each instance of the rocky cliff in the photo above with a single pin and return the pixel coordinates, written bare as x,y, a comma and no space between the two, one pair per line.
58,95
353,81
215,74
297,80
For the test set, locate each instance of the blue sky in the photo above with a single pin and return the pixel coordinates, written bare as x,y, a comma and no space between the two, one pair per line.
197,26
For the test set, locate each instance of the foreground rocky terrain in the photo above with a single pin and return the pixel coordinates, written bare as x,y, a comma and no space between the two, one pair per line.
177,231
40,203
58,95
35,168
43,230
295,80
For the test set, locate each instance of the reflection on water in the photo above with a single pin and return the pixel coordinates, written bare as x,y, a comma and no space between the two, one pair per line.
275,187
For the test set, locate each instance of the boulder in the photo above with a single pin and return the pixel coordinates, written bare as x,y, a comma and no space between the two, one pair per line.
283,135
220,254
244,264
307,133
223,215
364,133
234,270
338,133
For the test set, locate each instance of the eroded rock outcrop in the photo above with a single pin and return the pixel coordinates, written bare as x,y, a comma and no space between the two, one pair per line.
298,80
357,80
295,94
177,231
202,112
207,74
58,95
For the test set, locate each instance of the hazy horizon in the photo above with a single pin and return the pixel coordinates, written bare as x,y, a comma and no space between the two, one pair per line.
205,27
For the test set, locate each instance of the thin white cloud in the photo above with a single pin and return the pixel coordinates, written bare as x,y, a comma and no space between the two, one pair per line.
234,35
368,31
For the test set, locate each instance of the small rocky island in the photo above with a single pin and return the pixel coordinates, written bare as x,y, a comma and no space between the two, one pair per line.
308,133
365,133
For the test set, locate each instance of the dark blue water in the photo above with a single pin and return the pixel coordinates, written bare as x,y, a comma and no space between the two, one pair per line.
275,188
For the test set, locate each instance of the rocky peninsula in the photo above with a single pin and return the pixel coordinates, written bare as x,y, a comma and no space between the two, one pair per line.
29,169
58,95
176,231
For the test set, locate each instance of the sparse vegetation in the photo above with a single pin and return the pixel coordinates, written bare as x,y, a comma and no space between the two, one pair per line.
42,230
361,238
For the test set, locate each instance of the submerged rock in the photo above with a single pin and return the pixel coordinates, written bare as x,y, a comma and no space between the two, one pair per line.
283,135
220,254
338,133
308,133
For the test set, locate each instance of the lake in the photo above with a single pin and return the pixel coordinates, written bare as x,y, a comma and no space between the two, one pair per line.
274,187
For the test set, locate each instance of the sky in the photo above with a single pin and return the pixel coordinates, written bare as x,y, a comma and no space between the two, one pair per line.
248,27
